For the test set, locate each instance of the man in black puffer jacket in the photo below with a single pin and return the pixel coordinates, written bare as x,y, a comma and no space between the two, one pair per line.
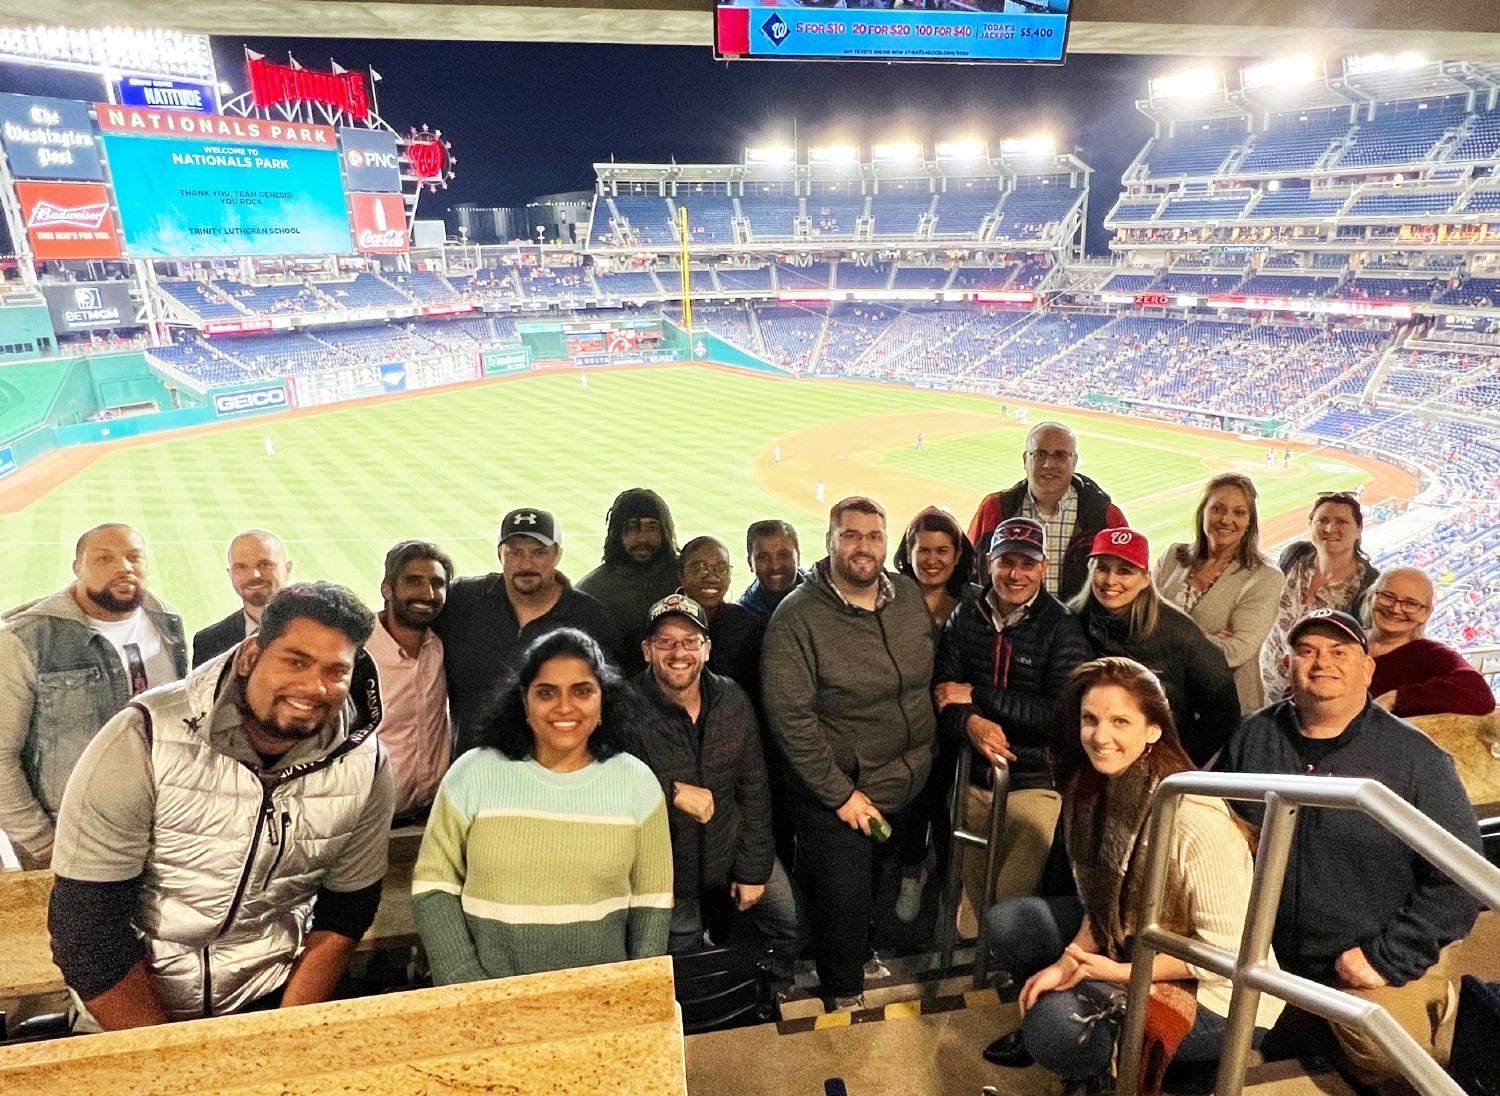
1002,662
698,734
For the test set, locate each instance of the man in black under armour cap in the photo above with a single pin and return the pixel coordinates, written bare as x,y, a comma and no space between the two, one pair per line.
490,619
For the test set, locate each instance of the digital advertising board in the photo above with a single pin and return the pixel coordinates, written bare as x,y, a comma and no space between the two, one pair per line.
162,94
68,220
89,306
49,138
1007,31
208,185
372,162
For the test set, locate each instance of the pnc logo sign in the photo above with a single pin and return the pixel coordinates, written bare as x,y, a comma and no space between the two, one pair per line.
255,399
371,157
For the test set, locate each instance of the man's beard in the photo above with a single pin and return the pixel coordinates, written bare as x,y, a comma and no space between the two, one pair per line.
111,604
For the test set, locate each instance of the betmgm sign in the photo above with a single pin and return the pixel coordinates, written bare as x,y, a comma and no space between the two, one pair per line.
89,306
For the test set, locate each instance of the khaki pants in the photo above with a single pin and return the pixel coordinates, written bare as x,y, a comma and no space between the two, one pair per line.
1030,821
1425,1008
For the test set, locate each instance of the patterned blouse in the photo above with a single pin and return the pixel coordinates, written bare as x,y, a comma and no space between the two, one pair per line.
1295,603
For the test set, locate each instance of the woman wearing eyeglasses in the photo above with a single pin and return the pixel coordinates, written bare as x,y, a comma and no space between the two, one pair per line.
1329,570
736,632
1415,675
548,846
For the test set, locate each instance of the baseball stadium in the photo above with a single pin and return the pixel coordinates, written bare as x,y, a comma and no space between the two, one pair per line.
229,303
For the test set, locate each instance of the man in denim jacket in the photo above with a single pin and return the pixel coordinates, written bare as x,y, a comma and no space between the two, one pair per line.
67,664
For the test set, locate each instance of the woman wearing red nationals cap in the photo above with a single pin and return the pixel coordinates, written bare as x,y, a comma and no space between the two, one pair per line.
1124,615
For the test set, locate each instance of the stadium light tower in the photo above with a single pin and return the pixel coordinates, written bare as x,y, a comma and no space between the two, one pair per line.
1039,144
1369,63
904,151
966,148
1281,73
771,155
1188,84
833,155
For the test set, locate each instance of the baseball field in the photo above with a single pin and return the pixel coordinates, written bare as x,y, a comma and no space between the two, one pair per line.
341,485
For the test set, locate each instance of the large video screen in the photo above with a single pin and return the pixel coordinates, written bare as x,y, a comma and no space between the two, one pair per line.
226,186
1002,31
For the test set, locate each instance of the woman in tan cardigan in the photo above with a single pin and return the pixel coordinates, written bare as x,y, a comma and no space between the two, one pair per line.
1223,581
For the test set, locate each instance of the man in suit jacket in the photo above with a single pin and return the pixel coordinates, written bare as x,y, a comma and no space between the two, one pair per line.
258,568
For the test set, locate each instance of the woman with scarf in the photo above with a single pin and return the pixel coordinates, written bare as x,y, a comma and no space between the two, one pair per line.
1074,952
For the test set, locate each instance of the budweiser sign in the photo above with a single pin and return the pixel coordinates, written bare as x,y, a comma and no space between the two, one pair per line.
272,85
49,215
68,220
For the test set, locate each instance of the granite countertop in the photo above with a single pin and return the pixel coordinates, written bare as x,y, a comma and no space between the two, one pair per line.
25,947
607,1029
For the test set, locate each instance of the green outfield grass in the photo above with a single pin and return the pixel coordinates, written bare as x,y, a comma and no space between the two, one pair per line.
345,484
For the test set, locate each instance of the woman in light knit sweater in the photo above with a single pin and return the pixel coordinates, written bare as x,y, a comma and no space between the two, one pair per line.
1074,952
547,847
1223,581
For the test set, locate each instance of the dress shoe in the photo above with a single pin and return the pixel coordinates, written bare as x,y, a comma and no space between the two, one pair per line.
1009,1050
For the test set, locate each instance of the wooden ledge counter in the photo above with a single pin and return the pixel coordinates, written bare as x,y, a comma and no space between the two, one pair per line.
606,1029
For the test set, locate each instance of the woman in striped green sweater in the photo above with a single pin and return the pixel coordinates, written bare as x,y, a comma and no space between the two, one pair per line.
547,847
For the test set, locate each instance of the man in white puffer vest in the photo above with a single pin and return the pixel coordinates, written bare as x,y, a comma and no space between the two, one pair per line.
221,843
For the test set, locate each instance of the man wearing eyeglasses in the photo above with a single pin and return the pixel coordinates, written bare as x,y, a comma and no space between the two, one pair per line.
736,631
1071,507
845,669
699,736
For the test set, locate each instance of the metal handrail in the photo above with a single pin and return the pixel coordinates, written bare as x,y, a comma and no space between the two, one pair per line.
1284,795
962,836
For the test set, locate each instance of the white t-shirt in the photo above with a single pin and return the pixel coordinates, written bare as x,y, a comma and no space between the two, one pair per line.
141,650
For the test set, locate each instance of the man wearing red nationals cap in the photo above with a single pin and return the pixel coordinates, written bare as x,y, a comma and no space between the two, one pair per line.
1359,909
1124,615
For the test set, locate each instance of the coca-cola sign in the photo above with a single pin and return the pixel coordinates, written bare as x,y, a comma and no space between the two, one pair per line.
68,220
379,222
275,85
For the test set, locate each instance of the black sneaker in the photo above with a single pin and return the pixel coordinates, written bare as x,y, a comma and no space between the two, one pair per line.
1009,1050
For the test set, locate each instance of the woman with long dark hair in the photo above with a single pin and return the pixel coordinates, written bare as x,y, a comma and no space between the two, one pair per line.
1118,742
547,846
936,555
1329,570
1123,614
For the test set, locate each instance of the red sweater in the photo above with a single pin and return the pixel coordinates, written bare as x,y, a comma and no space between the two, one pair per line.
1430,677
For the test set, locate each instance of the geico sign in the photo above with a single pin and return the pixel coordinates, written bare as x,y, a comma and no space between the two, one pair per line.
234,403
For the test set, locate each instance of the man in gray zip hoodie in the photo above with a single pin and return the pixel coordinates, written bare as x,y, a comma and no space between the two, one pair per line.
846,679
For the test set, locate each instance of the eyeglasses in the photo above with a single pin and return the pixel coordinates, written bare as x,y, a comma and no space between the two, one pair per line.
687,643
852,537
1054,456
703,570
1405,604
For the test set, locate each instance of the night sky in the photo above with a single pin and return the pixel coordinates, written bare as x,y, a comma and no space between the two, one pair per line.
530,119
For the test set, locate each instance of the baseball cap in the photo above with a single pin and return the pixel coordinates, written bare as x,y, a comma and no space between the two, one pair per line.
1126,544
537,524
682,605
1341,622
1024,535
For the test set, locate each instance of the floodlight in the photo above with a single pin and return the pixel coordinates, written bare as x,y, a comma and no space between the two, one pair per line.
1274,185
1286,72
1191,83
770,154
896,152
833,154
1370,63
967,148
1039,144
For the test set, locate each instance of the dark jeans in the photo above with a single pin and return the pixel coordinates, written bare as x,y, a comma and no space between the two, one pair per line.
838,868
774,917
1064,1030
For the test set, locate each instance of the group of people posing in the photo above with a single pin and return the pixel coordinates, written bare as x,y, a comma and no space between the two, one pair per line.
636,763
